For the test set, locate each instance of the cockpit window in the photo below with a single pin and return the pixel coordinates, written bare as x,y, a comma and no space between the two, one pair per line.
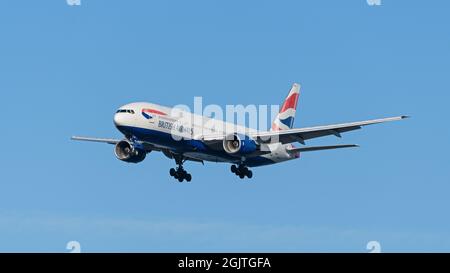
125,111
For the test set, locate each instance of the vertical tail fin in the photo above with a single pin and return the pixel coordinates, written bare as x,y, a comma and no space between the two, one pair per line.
285,118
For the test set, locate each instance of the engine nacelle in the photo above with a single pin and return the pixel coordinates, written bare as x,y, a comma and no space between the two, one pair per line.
127,152
237,144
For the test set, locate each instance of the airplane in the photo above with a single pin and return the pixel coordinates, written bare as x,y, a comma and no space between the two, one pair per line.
183,136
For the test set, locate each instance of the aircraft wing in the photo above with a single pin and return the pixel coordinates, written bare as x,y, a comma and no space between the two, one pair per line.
93,139
302,134
147,146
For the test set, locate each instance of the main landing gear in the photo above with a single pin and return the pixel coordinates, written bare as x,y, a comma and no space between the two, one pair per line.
179,173
241,171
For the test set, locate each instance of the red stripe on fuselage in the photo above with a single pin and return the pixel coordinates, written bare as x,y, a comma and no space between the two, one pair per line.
154,112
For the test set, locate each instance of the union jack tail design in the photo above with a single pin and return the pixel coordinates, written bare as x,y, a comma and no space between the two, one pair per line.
285,118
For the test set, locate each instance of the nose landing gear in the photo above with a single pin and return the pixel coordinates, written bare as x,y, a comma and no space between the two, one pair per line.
241,171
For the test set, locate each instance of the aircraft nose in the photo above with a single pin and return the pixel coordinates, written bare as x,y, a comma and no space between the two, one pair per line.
119,119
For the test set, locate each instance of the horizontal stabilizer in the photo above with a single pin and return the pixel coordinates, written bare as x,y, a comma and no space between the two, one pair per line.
319,148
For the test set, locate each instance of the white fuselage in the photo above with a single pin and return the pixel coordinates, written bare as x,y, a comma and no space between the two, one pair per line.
182,132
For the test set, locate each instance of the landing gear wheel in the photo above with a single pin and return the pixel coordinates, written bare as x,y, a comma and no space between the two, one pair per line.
179,173
188,177
242,171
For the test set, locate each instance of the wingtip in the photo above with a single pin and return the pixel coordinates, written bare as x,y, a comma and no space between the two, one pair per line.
405,116
75,138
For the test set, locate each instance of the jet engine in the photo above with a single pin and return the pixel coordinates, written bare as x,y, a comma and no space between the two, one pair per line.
129,152
237,144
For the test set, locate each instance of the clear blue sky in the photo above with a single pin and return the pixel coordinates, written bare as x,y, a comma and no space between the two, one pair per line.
65,70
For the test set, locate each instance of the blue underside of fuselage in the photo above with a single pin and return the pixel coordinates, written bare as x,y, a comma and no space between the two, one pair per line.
187,146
